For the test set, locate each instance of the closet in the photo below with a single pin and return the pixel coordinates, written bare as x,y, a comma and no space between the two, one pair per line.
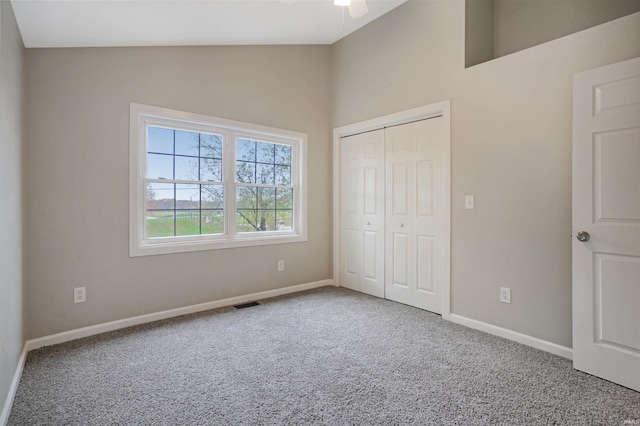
393,215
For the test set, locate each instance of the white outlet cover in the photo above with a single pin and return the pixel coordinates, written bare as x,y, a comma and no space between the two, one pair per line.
79,294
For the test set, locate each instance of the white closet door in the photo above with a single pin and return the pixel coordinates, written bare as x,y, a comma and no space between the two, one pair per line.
362,213
414,214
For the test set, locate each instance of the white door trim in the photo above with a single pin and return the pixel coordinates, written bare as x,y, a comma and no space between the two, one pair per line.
427,111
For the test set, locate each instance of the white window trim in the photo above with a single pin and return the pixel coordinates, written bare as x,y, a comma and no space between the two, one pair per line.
140,115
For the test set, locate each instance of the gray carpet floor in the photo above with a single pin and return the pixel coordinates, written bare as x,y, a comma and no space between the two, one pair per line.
328,356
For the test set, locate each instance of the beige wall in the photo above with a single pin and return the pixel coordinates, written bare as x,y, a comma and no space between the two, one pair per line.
478,36
78,166
511,148
520,24
496,28
11,143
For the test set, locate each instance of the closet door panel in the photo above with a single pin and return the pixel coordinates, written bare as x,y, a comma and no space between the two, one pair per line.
424,183
399,260
424,250
361,262
414,163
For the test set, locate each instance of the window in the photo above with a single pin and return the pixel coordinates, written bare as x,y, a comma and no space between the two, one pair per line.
201,183
264,194
184,185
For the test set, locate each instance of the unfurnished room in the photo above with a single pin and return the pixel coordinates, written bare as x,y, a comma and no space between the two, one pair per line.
320,212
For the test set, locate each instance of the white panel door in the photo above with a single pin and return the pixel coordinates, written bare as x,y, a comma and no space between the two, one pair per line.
362,213
606,222
415,237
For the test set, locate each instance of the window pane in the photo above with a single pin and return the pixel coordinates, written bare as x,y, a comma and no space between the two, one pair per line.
159,223
187,143
266,198
212,222
246,197
186,168
211,169
187,222
283,155
245,172
255,221
211,146
264,174
246,221
266,220
160,140
284,199
284,221
255,209
283,175
212,196
187,196
160,196
159,166
246,150
265,152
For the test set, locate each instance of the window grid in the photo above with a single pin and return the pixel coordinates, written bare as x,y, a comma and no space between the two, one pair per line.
178,211
274,210
275,214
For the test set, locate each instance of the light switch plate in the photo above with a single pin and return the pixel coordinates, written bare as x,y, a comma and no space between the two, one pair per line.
505,294
469,202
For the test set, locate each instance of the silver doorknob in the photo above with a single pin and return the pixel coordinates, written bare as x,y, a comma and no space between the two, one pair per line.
583,236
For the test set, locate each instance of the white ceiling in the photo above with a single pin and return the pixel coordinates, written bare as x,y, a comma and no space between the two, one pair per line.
93,23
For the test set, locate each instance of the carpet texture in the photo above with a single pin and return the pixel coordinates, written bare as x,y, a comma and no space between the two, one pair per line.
328,356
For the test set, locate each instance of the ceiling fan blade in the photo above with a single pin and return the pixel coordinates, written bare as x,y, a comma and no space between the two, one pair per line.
358,8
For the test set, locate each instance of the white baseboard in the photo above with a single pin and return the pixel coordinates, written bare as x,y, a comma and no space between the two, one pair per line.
8,403
79,333
534,342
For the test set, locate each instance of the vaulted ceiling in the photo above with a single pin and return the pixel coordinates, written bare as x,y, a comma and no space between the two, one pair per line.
92,23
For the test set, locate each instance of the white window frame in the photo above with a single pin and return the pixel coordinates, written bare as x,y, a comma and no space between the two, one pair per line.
142,116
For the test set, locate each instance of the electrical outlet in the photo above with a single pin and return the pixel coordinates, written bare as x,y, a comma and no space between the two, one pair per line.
280,265
505,295
79,294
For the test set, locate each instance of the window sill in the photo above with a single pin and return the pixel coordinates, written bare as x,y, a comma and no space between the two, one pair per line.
175,245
